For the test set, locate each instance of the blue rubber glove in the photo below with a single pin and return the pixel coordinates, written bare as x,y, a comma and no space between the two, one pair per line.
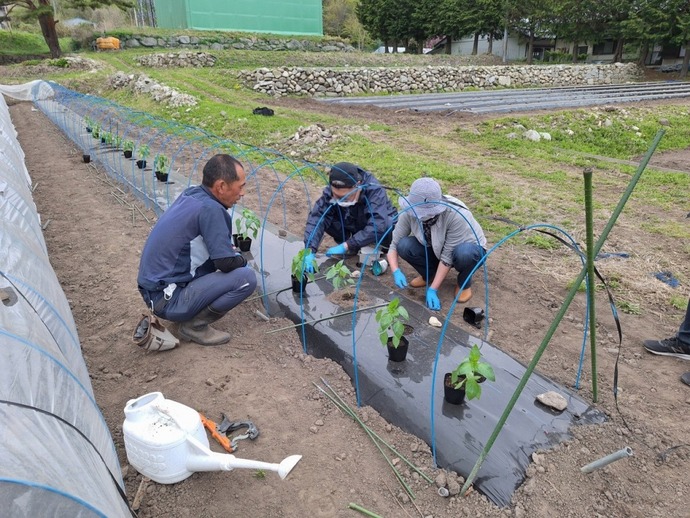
399,278
337,250
432,301
309,263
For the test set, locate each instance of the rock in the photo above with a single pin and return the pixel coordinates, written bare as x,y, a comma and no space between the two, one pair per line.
532,135
454,487
435,322
441,480
553,400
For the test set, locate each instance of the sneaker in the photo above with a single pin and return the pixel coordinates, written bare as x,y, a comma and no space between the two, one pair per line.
668,347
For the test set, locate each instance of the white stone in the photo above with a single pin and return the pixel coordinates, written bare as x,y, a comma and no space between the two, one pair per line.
435,322
553,400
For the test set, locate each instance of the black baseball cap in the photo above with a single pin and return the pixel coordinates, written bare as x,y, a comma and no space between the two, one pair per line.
344,174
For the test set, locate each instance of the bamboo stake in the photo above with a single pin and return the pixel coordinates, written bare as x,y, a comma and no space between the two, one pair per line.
370,433
352,414
277,291
559,316
589,225
326,318
363,510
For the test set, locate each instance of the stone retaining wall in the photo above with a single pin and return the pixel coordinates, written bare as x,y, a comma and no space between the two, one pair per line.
177,59
220,42
342,82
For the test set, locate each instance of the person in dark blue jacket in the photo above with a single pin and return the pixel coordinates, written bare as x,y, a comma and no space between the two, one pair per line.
190,272
353,209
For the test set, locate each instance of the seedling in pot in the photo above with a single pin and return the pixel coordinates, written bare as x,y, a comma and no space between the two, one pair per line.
298,266
143,152
161,163
128,148
247,225
470,372
340,275
391,320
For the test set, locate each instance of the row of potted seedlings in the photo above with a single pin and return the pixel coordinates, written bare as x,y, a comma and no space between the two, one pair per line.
464,382
161,162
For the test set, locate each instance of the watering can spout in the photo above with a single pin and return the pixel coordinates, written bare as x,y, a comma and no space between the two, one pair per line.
203,459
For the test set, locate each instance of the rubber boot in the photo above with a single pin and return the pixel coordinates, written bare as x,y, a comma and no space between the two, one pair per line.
198,329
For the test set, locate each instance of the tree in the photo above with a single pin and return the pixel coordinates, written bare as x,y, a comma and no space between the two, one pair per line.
42,10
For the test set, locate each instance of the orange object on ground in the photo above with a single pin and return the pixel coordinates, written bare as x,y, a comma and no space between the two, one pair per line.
223,440
109,43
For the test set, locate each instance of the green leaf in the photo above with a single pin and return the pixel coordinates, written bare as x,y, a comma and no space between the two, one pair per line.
484,369
472,389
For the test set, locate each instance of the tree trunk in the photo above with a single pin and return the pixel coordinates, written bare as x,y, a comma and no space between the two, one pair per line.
618,58
644,52
47,23
385,46
575,51
449,45
530,47
686,61
475,44
490,50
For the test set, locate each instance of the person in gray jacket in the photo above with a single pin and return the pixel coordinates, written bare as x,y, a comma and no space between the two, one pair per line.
435,233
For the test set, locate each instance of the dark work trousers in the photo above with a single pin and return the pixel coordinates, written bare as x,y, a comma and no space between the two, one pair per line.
465,258
222,291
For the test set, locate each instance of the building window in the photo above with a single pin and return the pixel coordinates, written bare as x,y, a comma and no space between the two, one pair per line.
605,47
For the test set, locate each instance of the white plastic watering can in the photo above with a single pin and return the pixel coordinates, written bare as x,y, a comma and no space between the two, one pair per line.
166,442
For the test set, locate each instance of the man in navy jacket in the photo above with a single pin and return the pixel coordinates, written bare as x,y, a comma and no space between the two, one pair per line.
190,271
353,209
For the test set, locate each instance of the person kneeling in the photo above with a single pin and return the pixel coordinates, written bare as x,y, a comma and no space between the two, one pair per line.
189,271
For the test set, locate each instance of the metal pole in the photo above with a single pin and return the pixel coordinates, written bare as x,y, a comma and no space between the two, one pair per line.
605,461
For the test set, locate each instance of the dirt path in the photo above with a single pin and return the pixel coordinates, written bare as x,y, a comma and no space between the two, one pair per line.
95,240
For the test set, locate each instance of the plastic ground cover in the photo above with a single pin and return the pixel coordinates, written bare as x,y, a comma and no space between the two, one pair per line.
401,392
56,452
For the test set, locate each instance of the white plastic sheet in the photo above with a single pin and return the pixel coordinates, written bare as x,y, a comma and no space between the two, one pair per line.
56,452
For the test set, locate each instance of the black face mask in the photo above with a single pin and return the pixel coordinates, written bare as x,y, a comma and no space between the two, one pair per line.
431,221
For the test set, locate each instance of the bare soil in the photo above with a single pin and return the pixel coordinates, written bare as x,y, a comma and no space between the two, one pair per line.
95,234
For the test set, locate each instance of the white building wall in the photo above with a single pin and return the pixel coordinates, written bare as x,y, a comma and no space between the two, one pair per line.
464,47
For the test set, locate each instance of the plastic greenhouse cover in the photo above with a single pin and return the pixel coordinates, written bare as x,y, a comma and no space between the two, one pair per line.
56,451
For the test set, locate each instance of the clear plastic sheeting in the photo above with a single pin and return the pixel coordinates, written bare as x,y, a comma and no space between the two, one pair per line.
56,452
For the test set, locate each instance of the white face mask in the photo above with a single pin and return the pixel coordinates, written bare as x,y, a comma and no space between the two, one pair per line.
345,203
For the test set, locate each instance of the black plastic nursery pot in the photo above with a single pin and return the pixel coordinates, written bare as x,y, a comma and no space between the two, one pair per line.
141,164
450,393
298,285
399,353
89,130
102,140
86,158
128,154
244,244
161,177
